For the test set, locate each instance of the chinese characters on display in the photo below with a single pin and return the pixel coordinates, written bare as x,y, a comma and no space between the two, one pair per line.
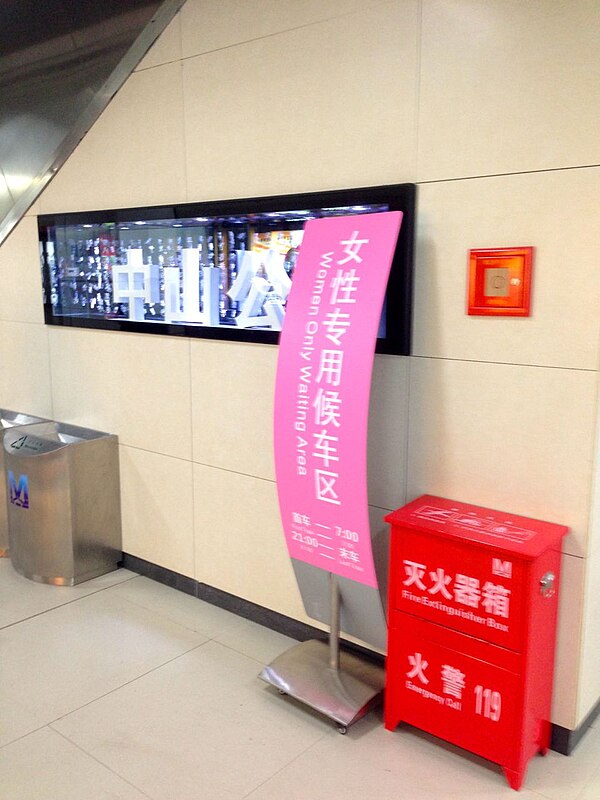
464,590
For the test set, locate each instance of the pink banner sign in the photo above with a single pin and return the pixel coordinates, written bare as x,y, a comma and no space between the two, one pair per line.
322,390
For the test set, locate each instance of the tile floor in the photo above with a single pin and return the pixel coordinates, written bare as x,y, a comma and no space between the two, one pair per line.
124,688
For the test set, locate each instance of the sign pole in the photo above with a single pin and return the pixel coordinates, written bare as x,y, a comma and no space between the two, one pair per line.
334,626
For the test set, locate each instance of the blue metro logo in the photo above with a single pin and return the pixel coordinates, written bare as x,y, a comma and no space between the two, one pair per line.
18,493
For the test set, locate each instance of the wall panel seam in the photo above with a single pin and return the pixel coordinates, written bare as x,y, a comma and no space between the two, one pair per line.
282,32
507,174
505,363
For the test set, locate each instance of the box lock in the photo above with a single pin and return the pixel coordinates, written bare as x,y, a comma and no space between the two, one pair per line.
547,588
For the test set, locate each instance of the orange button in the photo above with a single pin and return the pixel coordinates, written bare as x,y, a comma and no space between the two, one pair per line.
500,281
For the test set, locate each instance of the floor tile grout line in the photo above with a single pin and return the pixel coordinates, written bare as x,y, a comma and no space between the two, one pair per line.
284,767
235,650
102,764
213,640
168,618
51,725
183,624
127,683
320,737
24,736
67,603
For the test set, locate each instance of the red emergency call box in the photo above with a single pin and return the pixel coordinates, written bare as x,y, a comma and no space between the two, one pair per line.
473,601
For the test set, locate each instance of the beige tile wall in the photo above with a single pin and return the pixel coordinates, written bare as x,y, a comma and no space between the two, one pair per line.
589,687
555,212
209,26
589,684
158,509
251,97
133,155
133,385
25,380
507,86
232,406
505,436
239,546
25,383
21,295
269,112
166,48
569,684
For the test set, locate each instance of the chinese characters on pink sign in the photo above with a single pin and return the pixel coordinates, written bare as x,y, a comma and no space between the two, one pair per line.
322,390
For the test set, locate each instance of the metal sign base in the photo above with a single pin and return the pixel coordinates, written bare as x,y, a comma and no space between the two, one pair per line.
344,695
342,686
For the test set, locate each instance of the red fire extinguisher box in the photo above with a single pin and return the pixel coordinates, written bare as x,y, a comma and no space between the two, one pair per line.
472,628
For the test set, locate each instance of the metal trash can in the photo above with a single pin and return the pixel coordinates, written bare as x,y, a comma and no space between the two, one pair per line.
9,419
64,505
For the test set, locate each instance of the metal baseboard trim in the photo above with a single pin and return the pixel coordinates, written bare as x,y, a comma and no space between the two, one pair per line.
230,602
160,574
563,740
255,613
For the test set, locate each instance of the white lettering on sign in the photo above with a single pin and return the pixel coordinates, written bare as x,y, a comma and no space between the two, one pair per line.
330,367
345,533
300,519
414,573
425,693
453,681
312,537
325,447
325,486
470,521
509,531
499,626
440,581
439,606
327,405
453,611
488,703
351,249
466,591
336,323
494,598
343,286
324,456
347,554
419,665
301,445
309,541
503,569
